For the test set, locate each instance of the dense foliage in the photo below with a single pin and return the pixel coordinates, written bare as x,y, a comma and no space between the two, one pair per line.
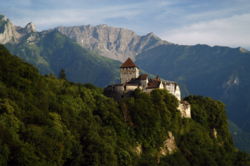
46,121
218,72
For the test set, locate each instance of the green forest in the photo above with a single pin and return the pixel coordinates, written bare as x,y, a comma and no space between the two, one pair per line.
49,121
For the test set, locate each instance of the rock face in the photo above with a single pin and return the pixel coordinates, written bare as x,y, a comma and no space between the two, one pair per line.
185,109
8,32
111,42
138,149
169,145
30,27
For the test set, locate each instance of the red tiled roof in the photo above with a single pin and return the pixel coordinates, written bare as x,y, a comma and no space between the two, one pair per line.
143,77
128,63
153,83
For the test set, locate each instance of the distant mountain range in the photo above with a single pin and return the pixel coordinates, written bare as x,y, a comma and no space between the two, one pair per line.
218,72
111,42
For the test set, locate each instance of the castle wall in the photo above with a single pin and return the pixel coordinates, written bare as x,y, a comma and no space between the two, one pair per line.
161,86
144,83
126,74
173,88
131,87
119,88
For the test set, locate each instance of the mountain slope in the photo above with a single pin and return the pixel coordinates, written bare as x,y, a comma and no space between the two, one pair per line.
50,51
219,72
111,42
49,121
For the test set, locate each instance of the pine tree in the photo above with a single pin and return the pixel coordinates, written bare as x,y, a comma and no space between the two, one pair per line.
62,74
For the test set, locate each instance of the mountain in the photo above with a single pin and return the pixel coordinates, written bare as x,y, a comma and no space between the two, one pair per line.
241,138
50,51
111,42
8,32
49,121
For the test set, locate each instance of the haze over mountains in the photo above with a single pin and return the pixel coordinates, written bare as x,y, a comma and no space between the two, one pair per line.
218,72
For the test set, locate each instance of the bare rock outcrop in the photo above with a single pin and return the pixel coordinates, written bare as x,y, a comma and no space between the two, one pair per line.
8,32
111,42
30,27
169,145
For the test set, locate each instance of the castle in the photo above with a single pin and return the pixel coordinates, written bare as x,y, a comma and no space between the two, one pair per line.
131,79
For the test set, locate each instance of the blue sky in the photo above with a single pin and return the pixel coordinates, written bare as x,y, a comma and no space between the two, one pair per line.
213,22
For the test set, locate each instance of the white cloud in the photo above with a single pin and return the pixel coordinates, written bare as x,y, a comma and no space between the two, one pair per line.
232,31
48,18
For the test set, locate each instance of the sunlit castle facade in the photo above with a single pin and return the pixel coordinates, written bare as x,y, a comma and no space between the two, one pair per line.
131,79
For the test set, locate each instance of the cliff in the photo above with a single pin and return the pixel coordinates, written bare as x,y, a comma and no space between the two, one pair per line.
9,33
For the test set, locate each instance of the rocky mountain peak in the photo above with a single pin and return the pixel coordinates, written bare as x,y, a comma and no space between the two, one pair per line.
30,27
112,42
3,18
8,31
152,34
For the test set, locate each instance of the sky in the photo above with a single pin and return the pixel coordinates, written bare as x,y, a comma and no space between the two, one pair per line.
189,22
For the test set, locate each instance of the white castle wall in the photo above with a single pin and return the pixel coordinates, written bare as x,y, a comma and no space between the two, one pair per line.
131,87
173,88
144,83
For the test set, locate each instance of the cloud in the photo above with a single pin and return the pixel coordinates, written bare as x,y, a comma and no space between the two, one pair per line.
231,31
56,17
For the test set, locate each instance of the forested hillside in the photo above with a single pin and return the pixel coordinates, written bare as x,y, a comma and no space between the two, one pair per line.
51,52
49,121
217,72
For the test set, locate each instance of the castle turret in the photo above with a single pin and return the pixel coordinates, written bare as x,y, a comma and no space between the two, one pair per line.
128,71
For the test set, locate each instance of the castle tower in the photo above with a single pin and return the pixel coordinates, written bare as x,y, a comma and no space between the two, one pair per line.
128,71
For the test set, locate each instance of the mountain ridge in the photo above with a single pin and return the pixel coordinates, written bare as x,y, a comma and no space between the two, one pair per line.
112,42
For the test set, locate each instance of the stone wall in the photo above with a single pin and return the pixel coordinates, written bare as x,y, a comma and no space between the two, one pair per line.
144,83
130,87
126,74
173,88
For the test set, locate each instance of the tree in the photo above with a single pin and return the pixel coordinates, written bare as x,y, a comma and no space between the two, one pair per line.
62,74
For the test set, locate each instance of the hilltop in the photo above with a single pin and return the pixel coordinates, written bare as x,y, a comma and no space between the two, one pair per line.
50,121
